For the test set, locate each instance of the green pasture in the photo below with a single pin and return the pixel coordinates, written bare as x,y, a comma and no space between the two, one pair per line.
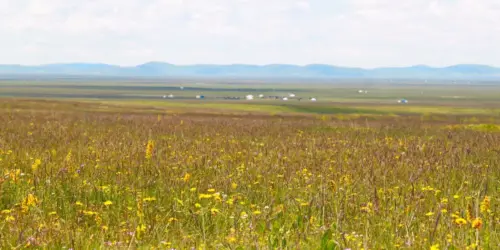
337,97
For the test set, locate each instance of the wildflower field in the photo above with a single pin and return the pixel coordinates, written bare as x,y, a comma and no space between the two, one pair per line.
118,179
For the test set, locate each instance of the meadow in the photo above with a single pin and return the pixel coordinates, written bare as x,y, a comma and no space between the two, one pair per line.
153,174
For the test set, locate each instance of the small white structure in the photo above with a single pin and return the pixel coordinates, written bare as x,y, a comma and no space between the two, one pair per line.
164,97
313,99
249,97
403,101
261,96
291,95
285,99
170,96
360,91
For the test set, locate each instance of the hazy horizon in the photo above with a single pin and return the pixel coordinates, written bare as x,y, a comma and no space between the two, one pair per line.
231,64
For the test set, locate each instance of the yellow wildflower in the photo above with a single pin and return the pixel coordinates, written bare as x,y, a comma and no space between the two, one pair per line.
234,185
29,201
460,221
214,211
435,247
477,223
429,214
141,228
68,156
108,203
312,220
36,164
367,208
231,239
204,196
149,199
257,212
485,204
13,174
89,213
186,177
217,197
471,246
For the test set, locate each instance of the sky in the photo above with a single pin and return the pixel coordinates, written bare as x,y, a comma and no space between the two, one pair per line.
357,33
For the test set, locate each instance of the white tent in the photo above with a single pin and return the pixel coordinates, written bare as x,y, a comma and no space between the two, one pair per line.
249,97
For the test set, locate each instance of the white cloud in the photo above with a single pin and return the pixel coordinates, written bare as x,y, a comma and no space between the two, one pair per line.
364,33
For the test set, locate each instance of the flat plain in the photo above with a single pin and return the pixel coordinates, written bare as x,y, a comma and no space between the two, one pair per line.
90,164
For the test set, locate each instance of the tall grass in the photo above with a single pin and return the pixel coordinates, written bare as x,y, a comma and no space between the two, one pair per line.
81,180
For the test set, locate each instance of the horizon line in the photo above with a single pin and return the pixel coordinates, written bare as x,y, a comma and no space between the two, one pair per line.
247,64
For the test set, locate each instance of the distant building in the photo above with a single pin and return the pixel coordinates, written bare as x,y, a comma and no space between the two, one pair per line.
249,97
313,99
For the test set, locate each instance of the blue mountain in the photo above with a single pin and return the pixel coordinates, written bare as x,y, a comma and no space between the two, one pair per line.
320,71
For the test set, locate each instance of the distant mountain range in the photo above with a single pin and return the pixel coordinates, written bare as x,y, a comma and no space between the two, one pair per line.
320,71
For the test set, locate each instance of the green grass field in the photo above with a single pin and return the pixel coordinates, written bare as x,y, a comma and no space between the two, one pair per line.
114,166
337,97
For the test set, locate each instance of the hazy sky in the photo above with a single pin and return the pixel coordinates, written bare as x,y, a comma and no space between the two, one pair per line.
365,33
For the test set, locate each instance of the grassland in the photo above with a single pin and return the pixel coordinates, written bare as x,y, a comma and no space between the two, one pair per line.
153,174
